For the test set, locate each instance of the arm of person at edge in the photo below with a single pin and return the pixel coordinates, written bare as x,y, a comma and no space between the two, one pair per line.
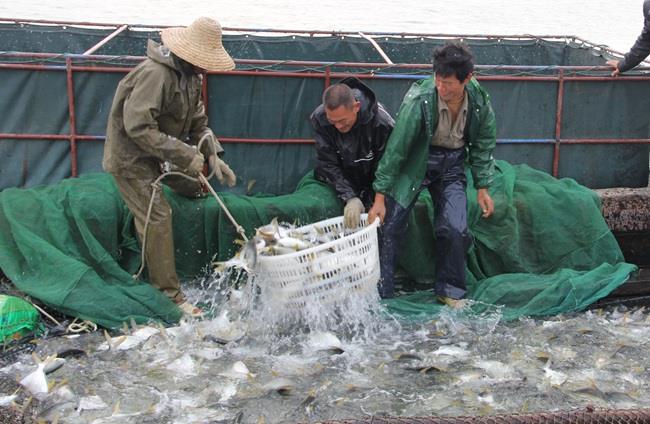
408,125
480,157
328,165
639,51
141,112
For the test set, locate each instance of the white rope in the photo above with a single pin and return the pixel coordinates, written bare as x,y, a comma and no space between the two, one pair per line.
45,313
238,227
81,326
377,47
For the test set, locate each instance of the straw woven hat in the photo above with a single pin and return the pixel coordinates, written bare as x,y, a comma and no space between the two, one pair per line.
199,44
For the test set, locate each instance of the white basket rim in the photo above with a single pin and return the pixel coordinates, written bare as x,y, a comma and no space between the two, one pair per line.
324,246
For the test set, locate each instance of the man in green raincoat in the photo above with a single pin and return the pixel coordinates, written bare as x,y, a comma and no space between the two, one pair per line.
155,123
444,124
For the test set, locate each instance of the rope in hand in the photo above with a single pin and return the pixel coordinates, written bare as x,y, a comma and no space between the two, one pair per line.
156,185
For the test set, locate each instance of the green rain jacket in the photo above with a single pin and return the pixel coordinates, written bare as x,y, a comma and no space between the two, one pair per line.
156,116
402,168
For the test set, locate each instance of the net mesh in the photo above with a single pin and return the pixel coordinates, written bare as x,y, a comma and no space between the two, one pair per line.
584,416
72,245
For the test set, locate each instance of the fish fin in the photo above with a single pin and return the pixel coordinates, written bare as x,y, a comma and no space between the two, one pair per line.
108,340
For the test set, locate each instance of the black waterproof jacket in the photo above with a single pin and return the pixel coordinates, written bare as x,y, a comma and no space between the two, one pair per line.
347,162
641,48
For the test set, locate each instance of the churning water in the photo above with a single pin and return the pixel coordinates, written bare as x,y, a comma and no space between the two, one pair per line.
257,363
247,365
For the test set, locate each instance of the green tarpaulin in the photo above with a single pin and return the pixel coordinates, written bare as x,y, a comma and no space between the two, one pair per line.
546,250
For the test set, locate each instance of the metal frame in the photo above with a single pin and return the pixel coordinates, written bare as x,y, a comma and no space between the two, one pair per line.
559,74
312,33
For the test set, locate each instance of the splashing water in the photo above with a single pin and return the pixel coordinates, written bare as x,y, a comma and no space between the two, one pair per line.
251,362
246,296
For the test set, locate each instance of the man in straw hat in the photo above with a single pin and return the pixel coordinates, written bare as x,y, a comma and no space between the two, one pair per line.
158,118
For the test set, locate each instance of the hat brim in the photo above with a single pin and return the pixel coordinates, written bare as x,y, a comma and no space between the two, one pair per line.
210,59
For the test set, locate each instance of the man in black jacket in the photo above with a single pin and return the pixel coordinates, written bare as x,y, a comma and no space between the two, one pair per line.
639,51
351,128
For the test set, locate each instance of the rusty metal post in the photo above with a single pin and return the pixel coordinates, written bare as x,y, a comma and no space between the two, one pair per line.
73,122
328,75
558,123
240,140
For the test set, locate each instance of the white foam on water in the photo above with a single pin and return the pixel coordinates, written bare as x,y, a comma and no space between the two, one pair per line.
255,361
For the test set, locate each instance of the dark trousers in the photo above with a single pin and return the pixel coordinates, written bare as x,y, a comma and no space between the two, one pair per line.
445,179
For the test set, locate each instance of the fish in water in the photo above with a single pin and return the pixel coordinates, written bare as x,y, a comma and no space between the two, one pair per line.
426,369
71,353
245,258
556,378
52,364
36,383
90,403
249,253
239,370
407,356
281,385
216,339
326,342
126,342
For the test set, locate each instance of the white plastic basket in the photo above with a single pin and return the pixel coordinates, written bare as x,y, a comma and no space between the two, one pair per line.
346,266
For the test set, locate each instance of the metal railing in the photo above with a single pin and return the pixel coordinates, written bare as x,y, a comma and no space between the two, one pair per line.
73,63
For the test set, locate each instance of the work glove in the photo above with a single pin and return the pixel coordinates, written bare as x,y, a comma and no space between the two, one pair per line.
196,166
351,213
210,144
222,171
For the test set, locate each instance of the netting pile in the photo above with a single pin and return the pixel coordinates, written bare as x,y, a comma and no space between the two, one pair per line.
72,245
